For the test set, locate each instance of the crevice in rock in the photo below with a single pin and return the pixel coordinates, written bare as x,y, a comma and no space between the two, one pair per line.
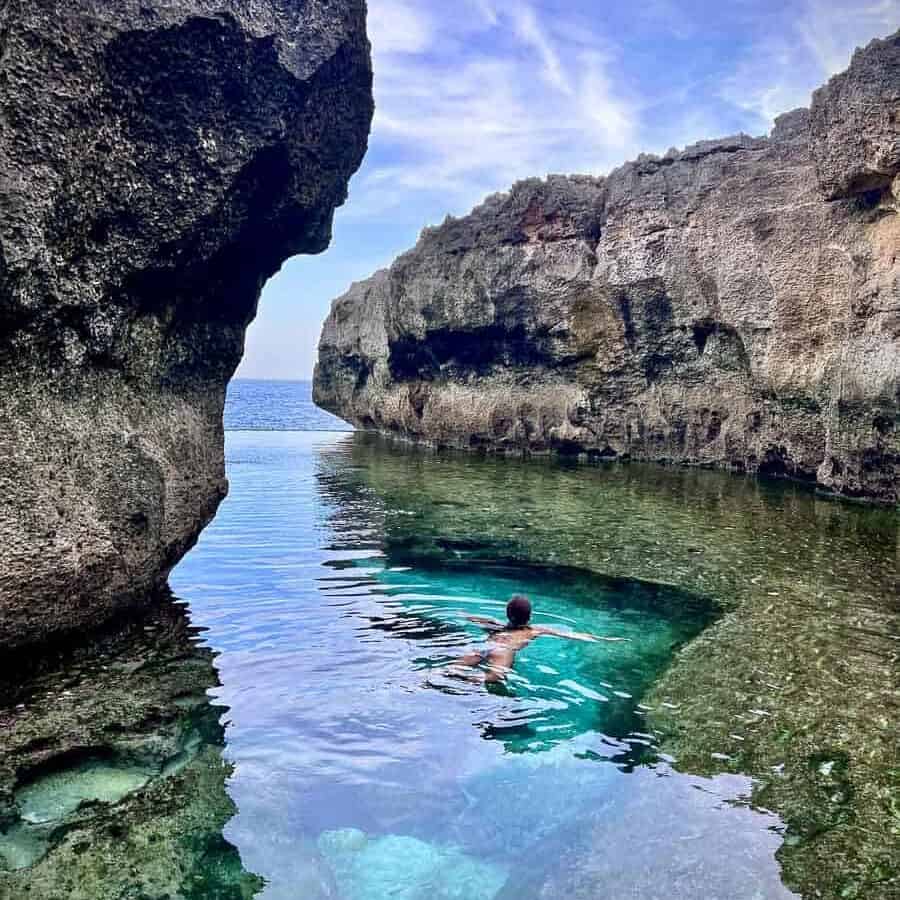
449,353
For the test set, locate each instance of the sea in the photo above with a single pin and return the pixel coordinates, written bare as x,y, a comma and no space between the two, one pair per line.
667,740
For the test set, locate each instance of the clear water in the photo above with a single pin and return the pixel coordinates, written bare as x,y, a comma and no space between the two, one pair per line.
333,588
52,797
363,771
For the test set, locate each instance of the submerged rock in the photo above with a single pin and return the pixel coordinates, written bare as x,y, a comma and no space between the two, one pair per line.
406,868
158,162
113,782
793,686
734,304
52,797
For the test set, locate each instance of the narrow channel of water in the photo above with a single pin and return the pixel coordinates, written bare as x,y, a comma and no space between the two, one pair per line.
384,775
301,736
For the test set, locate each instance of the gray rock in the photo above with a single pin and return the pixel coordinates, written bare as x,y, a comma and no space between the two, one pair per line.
159,159
708,307
855,125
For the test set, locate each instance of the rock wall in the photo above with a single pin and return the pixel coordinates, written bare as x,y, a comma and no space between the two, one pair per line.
735,304
159,159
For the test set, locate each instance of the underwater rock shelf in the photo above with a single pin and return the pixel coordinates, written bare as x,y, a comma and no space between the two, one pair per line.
111,773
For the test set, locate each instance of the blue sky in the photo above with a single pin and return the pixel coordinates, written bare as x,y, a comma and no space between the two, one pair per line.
474,94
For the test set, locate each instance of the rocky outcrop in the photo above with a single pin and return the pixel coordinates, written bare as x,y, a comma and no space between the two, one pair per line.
112,776
159,159
735,304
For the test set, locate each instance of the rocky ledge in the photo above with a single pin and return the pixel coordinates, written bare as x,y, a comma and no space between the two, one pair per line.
159,159
735,304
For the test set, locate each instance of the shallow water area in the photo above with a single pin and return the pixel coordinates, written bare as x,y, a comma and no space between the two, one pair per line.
52,797
307,735
363,769
112,782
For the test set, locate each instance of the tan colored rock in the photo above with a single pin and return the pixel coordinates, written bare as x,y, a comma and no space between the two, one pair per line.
709,307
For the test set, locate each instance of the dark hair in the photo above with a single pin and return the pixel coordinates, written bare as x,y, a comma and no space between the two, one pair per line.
518,610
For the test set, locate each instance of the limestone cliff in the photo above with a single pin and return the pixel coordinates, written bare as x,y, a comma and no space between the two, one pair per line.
734,304
159,159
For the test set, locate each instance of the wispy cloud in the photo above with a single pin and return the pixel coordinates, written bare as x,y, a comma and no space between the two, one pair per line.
831,34
473,94
398,27
797,48
530,32
467,103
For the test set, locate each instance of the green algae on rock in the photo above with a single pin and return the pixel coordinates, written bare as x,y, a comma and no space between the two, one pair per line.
52,797
796,685
111,772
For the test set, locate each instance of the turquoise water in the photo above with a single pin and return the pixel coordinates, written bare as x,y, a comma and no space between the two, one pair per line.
363,772
581,695
318,616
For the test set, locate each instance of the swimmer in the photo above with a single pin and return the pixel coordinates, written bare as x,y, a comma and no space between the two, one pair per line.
507,639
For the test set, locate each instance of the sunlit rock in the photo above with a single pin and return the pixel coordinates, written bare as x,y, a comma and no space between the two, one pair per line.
733,304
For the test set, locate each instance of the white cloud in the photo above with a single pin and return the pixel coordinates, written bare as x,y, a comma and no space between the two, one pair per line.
612,123
470,101
800,49
398,26
472,96
530,32
831,32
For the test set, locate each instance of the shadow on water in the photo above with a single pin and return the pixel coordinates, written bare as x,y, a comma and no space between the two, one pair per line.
112,781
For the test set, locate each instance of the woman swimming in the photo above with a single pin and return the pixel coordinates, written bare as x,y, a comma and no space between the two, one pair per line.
507,639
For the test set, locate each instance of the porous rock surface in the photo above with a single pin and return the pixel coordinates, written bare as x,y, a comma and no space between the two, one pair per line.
734,304
159,159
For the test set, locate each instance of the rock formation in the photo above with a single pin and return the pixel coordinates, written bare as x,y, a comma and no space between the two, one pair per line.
112,776
159,159
735,304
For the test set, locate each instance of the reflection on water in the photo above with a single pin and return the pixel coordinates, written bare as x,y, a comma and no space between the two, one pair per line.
745,732
361,774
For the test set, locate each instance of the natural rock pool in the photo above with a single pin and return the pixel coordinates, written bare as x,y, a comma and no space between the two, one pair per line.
740,744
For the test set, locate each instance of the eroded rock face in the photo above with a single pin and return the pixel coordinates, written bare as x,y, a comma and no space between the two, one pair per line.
735,304
158,162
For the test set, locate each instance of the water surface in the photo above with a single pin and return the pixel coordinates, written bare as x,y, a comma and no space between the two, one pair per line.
387,777
741,743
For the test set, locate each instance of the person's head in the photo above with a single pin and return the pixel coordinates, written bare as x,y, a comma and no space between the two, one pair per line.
518,611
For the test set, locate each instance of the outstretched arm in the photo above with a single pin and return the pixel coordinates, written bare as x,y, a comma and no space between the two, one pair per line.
486,622
577,635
